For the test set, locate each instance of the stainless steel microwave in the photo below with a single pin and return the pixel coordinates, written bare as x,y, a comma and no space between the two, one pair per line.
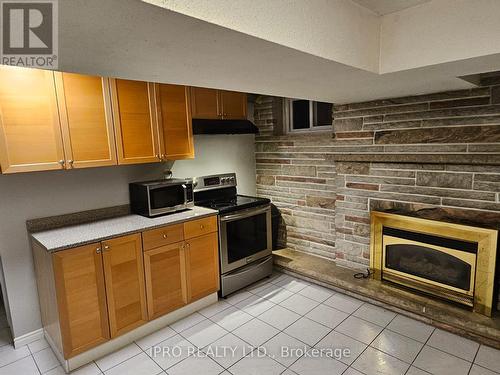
154,198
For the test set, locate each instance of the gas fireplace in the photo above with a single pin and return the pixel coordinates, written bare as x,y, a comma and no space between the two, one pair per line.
450,261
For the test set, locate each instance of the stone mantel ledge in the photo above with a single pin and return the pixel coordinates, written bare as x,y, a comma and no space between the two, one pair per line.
478,159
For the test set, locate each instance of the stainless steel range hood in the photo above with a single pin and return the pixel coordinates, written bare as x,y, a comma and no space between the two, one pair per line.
224,127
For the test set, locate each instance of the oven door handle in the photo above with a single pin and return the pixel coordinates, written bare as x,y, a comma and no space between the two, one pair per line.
245,214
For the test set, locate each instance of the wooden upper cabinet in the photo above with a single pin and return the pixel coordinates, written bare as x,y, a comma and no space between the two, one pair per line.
81,298
125,290
202,266
234,105
165,279
86,120
205,103
30,135
135,121
174,117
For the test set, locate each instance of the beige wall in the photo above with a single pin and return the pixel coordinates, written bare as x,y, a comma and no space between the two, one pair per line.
35,195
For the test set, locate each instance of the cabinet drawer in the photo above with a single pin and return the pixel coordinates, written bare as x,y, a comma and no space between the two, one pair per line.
200,227
154,238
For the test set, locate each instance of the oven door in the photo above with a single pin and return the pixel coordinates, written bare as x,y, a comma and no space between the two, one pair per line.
245,236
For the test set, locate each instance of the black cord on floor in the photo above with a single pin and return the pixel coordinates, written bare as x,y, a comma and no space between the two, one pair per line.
363,275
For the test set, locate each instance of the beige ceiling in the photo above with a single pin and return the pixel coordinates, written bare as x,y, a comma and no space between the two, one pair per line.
382,7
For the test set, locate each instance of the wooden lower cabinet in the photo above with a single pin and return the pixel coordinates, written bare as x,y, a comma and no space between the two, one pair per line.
94,293
165,279
202,266
125,290
81,298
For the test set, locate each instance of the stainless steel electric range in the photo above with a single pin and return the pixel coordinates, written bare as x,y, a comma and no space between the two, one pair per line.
245,241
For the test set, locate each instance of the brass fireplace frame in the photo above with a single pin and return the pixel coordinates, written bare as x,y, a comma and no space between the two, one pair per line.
484,278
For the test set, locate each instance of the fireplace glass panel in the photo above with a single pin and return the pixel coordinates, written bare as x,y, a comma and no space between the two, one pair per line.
430,264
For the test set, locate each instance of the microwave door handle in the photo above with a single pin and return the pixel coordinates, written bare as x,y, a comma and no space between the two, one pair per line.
185,193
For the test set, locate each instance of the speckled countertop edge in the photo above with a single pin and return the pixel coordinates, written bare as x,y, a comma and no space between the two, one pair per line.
72,236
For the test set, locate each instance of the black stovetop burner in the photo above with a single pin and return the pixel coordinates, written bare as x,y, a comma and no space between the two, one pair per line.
234,203
219,193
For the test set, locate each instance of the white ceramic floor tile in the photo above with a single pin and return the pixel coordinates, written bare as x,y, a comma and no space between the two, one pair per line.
299,304
259,285
410,327
489,358
231,318
228,350
343,303
352,371
316,292
478,370
274,293
117,357
187,322
416,371
359,329
214,308
351,349
327,316
274,276
90,369
375,362
293,285
234,298
279,317
438,362
256,364
397,345
308,331
155,338
38,345
171,351
196,365
255,305
285,349
45,360
375,314
139,365
255,332
282,277
453,344
308,365
8,354
203,333
24,366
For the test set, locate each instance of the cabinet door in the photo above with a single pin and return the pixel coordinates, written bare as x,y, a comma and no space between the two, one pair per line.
205,103
202,266
135,122
124,275
86,120
30,135
175,121
165,279
81,298
234,105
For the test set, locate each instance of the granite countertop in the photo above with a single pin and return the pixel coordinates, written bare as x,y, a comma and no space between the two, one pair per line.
81,234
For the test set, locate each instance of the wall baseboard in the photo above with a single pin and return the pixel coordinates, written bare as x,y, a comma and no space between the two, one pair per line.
28,338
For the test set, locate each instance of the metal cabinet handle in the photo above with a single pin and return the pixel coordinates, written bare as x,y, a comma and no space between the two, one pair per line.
202,226
165,236
106,247
98,250
61,162
70,162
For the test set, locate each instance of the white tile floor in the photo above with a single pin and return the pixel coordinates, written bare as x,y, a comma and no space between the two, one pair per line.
280,312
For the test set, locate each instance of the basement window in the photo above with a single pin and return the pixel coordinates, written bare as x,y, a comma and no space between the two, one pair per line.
306,115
